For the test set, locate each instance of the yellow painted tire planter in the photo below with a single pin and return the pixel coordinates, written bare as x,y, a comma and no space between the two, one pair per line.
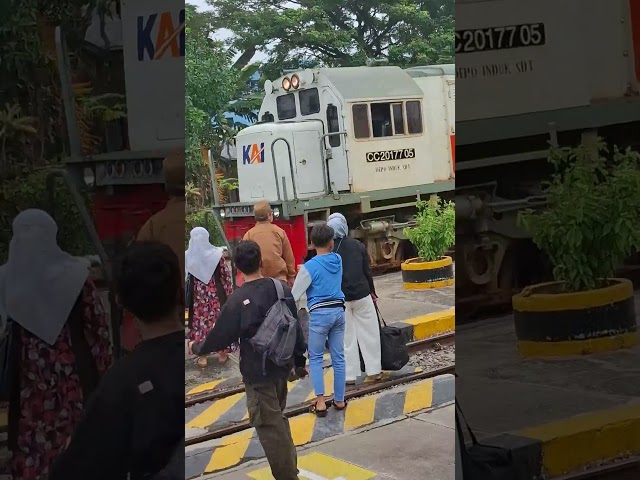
420,275
549,323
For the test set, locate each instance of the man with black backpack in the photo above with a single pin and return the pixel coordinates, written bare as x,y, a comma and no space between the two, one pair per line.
261,316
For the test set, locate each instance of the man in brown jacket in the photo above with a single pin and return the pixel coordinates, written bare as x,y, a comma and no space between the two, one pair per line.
167,226
277,255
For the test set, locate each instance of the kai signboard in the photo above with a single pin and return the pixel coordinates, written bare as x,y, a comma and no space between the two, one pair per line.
153,35
160,34
253,153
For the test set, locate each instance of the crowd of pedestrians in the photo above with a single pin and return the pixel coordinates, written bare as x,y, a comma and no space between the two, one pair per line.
75,413
335,286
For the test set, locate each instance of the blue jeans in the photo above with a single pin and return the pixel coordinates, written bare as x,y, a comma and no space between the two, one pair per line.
327,323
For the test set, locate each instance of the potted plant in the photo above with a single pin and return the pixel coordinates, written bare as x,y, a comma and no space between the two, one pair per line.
433,235
589,226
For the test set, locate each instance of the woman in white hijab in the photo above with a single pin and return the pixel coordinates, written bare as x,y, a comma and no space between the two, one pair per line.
210,284
61,342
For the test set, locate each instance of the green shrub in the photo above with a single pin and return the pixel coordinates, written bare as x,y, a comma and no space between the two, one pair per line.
590,224
435,230
199,219
30,191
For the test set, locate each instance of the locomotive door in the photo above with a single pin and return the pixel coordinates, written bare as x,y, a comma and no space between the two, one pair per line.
338,166
308,164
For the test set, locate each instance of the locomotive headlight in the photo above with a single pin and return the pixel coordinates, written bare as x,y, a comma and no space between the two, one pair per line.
276,212
295,81
286,84
224,213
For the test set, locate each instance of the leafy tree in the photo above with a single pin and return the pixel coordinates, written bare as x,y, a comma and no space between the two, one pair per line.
210,84
340,32
214,85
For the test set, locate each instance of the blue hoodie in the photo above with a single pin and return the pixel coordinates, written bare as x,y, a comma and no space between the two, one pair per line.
321,279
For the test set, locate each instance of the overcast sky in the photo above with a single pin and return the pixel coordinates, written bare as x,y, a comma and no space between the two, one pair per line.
224,34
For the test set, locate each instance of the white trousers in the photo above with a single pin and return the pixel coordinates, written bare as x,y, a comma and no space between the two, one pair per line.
361,328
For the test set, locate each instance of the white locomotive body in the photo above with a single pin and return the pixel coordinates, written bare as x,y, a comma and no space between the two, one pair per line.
359,140
558,73
389,132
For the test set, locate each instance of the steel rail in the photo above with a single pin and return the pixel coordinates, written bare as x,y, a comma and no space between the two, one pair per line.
627,469
299,409
216,394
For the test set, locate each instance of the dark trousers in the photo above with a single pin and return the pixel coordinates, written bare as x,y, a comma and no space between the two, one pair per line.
266,403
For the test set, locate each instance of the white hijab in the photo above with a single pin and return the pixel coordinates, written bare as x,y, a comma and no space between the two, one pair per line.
201,258
40,283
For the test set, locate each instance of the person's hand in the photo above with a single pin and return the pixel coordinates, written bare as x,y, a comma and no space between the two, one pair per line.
302,372
374,298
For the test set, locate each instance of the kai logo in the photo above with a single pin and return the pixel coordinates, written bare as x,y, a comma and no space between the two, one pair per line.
253,153
159,34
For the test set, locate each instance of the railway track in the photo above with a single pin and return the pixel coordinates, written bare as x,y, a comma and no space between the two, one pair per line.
355,392
437,341
627,469
352,392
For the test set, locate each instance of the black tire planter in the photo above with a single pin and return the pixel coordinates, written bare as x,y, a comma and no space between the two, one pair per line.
420,275
550,323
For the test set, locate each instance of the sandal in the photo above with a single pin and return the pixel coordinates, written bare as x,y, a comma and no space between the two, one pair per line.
342,407
318,413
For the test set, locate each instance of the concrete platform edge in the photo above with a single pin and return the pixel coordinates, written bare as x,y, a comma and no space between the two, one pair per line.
429,325
571,444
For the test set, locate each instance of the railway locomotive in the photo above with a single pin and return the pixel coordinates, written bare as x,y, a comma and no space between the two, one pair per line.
532,75
366,141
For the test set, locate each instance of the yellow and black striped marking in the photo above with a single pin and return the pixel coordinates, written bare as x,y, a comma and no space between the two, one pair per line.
234,449
553,324
420,275
230,410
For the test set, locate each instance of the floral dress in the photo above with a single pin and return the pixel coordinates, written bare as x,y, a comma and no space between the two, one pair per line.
51,397
206,304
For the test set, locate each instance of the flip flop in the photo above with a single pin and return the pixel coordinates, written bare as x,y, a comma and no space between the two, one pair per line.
318,413
340,408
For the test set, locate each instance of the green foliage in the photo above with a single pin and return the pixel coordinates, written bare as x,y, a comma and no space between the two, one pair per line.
31,192
210,83
591,221
340,33
435,230
199,218
213,86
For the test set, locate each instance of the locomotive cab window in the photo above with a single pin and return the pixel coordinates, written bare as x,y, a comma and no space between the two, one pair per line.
387,119
286,106
381,120
360,113
333,125
414,117
398,119
267,117
309,101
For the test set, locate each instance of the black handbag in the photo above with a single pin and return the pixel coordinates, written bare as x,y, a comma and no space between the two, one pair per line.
483,462
393,347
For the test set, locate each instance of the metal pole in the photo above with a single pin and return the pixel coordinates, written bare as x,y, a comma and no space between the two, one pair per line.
64,72
214,181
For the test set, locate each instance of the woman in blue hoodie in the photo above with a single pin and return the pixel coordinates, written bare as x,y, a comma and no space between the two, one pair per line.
321,279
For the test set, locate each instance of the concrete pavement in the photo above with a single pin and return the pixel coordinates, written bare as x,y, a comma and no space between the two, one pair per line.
399,450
